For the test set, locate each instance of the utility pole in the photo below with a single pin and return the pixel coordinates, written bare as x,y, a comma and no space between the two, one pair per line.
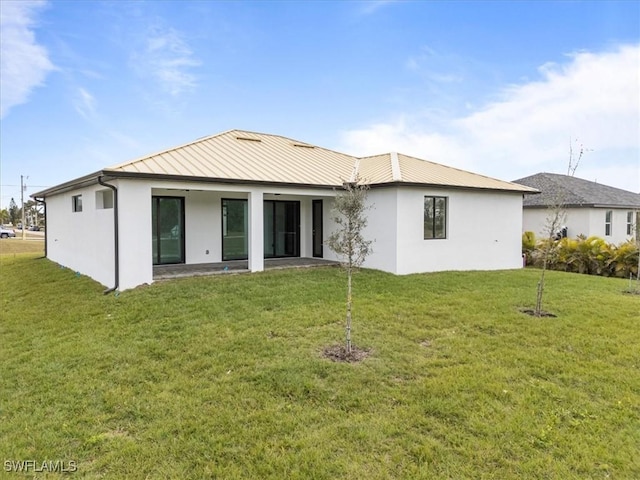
23,187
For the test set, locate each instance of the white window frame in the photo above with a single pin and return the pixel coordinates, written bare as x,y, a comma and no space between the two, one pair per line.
608,223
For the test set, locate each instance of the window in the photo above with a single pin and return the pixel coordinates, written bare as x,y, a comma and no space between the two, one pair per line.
435,217
104,199
629,223
607,222
76,203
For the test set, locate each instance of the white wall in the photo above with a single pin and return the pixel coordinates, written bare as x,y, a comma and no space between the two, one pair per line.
136,249
484,231
580,221
382,228
82,241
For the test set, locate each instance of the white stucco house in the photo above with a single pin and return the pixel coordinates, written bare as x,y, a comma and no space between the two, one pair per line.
252,196
591,208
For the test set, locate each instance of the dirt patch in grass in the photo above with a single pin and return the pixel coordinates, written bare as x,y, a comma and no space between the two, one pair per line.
338,353
532,312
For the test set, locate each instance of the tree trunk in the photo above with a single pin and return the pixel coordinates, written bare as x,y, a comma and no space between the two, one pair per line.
538,309
348,328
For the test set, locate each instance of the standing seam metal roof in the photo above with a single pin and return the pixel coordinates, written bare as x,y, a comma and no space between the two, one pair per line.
243,156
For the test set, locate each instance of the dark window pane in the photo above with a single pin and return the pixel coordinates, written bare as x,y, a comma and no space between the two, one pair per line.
435,217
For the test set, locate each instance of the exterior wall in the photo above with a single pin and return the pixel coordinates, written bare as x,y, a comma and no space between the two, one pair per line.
382,228
82,241
581,221
134,202
483,231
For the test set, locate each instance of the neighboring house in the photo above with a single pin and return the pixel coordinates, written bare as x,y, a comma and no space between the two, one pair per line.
245,195
592,209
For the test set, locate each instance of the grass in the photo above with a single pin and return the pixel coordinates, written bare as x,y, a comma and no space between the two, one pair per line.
222,377
17,245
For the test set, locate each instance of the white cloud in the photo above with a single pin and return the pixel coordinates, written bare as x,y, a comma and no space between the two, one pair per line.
594,97
85,104
372,6
24,64
167,58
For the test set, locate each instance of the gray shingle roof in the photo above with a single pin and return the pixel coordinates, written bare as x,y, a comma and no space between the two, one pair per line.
575,192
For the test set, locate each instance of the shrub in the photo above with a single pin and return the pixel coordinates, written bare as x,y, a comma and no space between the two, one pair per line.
591,255
528,246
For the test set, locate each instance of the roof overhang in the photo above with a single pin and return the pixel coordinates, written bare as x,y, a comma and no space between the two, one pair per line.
588,205
92,179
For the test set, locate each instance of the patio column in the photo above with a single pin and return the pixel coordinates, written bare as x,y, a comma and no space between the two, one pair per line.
256,231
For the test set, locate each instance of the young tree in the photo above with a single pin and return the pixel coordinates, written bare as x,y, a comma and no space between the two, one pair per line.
347,241
555,219
14,213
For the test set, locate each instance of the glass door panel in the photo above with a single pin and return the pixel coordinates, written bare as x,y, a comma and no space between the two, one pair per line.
281,229
167,230
235,229
317,228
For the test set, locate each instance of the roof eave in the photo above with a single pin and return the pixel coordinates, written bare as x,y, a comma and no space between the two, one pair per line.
84,181
457,187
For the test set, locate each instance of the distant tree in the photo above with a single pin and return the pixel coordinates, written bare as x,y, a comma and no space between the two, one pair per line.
556,218
14,212
32,212
4,216
347,241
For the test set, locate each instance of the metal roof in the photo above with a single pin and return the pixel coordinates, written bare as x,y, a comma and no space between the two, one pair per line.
575,192
240,156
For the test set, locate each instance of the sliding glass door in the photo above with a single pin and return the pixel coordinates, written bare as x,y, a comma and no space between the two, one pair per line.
235,229
281,229
167,214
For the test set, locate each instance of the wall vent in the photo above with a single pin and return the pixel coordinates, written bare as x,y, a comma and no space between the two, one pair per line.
249,139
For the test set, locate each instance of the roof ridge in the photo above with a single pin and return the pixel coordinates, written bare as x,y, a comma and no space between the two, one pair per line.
396,173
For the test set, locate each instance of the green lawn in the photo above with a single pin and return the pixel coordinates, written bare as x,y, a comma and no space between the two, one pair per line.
222,377
17,245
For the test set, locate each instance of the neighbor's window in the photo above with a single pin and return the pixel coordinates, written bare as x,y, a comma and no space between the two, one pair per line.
435,217
629,223
76,202
104,199
607,222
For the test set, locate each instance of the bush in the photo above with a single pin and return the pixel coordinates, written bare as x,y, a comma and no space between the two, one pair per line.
593,255
528,246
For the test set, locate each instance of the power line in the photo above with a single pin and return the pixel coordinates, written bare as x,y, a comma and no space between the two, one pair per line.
38,186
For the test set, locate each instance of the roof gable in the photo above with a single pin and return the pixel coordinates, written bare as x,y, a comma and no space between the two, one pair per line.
575,192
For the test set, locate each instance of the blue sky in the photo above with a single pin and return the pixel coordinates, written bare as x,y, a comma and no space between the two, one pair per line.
499,88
